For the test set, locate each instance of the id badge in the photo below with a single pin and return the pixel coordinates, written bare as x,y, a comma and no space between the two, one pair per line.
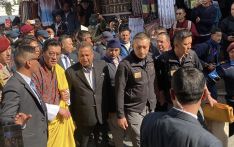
137,75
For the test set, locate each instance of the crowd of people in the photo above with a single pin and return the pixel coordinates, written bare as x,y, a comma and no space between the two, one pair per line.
68,87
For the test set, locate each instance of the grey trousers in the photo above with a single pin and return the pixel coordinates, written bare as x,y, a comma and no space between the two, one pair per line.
134,124
117,132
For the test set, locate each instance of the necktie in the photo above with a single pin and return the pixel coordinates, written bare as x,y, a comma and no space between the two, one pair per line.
33,87
66,62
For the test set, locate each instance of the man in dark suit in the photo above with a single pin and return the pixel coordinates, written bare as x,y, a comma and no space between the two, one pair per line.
179,127
87,83
21,98
68,57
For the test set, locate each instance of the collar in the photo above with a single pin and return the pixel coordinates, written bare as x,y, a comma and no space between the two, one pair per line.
232,62
124,43
213,43
26,78
87,69
191,114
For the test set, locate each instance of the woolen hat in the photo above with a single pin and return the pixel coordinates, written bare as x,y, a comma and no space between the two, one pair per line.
107,35
115,43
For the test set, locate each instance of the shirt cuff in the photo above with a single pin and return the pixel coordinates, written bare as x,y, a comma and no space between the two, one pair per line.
52,111
23,127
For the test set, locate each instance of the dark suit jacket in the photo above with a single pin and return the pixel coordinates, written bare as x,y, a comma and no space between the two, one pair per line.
87,105
72,57
175,129
18,97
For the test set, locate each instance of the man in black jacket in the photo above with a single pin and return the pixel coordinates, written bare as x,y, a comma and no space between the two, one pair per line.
135,94
87,83
180,127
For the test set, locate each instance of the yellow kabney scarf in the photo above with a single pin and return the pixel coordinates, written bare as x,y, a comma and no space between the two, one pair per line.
61,131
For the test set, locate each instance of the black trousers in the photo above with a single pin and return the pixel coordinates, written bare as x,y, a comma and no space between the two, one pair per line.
98,133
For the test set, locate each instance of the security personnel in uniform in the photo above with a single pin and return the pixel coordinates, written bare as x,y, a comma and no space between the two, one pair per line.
5,58
226,72
135,87
167,63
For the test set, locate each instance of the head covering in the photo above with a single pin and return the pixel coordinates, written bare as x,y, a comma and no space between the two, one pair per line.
42,33
13,33
115,43
107,35
26,28
230,47
4,44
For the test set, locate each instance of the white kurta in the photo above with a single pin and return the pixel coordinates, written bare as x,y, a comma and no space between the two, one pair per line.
166,12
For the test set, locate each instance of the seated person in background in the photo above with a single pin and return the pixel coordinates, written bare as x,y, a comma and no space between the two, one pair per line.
182,23
209,53
227,27
226,72
179,127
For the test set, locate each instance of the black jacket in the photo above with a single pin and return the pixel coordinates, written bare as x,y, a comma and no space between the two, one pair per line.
167,63
88,106
134,84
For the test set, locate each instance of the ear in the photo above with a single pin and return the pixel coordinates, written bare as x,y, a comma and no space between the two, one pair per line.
28,64
204,95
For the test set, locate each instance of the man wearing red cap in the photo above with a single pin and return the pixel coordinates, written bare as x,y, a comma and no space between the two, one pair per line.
226,72
27,29
5,58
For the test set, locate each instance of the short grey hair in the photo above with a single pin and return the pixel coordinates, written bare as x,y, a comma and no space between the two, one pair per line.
181,35
141,36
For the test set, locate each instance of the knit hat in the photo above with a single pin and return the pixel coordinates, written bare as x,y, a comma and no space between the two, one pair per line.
107,35
115,43
4,44
230,47
26,28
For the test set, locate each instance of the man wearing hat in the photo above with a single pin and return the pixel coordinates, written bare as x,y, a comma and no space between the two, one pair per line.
42,36
27,29
5,58
112,59
101,48
13,35
226,72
